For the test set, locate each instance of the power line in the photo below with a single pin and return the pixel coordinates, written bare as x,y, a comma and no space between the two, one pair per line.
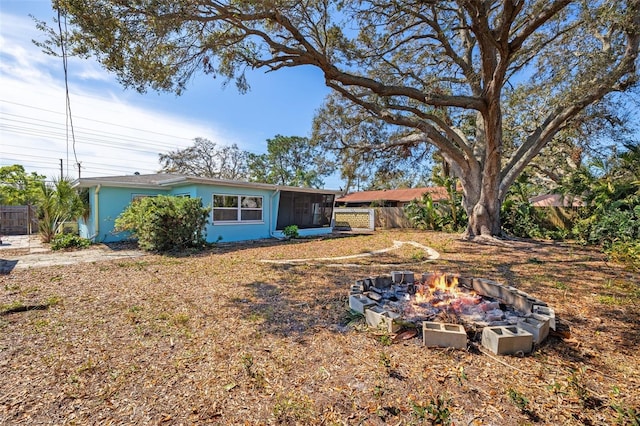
55,151
163,145
82,130
18,130
99,121
30,156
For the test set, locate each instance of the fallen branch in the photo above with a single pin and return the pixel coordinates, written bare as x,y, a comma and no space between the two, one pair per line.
23,308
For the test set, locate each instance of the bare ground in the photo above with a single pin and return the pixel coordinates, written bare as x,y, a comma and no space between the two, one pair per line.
223,338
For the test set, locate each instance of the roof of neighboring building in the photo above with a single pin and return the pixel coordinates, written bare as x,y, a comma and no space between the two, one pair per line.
400,195
168,180
556,200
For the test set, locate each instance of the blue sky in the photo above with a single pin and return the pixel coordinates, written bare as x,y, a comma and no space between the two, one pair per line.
120,131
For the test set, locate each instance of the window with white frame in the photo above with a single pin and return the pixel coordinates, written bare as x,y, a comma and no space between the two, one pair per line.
136,197
237,208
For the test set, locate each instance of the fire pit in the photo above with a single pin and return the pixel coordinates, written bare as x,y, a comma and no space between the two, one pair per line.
449,307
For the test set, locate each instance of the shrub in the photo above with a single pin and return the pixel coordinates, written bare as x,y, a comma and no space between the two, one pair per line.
446,215
64,241
627,252
291,231
165,223
520,219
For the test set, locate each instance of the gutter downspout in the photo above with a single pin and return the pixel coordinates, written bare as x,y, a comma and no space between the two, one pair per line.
96,216
271,225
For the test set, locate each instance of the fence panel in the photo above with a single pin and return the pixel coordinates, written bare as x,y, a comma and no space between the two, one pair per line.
353,219
18,220
391,217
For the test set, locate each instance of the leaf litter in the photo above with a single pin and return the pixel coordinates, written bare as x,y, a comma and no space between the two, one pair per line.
220,337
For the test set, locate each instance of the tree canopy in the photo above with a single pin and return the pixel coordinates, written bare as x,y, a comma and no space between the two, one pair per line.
206,159
18,187
290,160
451,74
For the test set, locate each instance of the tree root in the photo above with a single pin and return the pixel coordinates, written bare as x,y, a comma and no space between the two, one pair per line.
485,239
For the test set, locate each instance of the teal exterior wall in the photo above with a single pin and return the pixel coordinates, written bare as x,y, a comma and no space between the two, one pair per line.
112,201
229,232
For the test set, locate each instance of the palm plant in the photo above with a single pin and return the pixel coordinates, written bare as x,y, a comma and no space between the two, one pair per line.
61,203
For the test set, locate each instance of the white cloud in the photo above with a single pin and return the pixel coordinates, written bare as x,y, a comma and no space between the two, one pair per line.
113,135
118,131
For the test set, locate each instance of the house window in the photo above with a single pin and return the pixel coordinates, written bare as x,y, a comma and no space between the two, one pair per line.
136,197
237,208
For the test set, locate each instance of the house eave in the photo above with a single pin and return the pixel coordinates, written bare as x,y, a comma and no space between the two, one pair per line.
89,183
187,180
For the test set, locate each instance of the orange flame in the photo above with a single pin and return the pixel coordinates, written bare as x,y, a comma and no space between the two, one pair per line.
439,284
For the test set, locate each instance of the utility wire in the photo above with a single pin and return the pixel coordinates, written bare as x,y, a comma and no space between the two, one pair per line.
66,88
98,121
36,126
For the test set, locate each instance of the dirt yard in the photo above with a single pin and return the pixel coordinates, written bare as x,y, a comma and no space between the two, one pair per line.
221,337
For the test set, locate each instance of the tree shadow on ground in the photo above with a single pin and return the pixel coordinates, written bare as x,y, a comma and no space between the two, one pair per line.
236,246
293,306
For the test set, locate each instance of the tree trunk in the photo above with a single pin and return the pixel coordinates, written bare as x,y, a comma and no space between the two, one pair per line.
481,183
482,204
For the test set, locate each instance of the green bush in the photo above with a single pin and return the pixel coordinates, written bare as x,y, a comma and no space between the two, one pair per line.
65,241
447,215
520,219
291,231
627,252
165,223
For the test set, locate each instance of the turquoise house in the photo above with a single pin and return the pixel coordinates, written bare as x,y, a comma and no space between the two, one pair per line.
239,210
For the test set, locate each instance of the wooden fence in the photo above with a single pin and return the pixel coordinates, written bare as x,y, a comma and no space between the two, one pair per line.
18,220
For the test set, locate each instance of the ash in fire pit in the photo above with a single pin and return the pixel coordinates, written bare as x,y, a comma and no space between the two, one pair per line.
504,314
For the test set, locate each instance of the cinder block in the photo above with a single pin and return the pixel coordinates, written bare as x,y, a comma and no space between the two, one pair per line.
538,301
503,340
403,277
379,317
465,282
355,290
375,296
548,312
488,288
359,302
444,335
509,295
369,282
522,302
427,277
359,284
537,325
382,281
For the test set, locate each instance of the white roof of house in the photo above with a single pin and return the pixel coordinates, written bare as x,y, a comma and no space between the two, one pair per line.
168,180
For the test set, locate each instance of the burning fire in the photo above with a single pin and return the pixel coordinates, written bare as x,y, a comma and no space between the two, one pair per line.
441,292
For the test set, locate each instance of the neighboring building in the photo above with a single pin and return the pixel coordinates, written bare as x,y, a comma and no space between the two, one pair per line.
239,210
390,197
560,211
556,200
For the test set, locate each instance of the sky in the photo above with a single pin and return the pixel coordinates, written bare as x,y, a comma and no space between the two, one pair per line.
118,131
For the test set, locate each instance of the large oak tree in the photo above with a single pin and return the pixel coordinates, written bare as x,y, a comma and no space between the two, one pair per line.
442,70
